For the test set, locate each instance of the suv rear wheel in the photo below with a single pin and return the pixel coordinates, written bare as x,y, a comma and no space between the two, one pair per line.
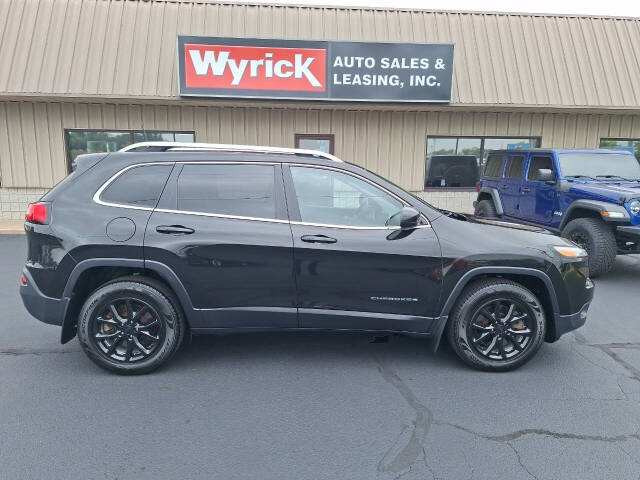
486,209
496,325
131,326
597,238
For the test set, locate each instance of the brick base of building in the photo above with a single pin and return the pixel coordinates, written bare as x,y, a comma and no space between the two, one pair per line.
14,201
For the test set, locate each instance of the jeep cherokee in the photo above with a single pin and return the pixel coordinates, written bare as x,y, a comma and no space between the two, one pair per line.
138,248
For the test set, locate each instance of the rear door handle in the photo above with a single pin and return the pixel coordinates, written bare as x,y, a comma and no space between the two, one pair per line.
174,230
505,187
526,190
318,239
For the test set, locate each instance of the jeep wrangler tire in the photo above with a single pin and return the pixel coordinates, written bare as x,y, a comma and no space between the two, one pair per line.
597,238
486,209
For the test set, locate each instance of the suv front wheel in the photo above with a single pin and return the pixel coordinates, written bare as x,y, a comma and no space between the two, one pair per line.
496,325
131,326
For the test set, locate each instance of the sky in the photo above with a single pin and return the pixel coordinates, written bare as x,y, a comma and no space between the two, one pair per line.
616,8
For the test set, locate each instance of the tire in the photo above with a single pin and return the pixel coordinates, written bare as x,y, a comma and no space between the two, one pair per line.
486,209
597,238
155,311
471,332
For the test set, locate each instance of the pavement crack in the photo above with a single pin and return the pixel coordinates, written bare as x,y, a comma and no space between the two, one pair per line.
413,448
509,437
519,458
14,352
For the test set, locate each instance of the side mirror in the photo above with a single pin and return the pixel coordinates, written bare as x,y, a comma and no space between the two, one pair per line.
546,175
410,217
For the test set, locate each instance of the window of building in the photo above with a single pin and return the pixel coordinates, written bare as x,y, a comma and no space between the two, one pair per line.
540,163
631,145
514,166
138,187
320,142
239,190
456,162
333,198
79,142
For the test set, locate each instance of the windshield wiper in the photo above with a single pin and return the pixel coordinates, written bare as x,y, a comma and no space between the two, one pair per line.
580,176
613,176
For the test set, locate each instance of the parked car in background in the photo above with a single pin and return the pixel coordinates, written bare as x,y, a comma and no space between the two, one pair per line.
591,197
452,171
136,248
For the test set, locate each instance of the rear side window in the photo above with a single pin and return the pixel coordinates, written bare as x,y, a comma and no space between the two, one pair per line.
139,186
539,163
514,167
239,190
493,168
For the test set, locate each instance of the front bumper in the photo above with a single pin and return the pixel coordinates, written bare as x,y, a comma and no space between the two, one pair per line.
46,309
567,323
629,231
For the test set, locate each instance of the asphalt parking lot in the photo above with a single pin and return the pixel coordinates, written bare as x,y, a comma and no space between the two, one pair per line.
323,406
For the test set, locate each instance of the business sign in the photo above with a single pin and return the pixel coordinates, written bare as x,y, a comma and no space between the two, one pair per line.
314,70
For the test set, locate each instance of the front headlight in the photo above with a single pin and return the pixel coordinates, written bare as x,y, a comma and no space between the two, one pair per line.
570,252
634,207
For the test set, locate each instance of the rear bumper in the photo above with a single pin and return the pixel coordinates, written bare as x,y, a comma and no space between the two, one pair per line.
46,309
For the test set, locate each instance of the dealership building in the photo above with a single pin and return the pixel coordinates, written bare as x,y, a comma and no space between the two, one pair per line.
416,96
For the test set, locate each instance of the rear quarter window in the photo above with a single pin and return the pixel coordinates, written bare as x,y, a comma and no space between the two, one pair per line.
493,168
139,186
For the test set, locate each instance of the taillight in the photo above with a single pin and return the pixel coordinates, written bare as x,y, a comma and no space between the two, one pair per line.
23,280
478,186
36,213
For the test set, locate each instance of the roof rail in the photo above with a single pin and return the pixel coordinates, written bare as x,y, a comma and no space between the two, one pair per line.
219,147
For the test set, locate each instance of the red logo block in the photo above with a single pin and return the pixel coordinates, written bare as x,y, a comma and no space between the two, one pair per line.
255,68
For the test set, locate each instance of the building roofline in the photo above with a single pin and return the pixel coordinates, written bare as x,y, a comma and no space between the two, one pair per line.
396,9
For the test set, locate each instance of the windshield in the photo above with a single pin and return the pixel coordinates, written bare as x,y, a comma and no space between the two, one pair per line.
599,165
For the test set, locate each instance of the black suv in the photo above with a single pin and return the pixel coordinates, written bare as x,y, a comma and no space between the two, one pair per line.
136,249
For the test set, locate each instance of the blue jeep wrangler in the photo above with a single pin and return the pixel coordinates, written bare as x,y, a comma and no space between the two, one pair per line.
591,197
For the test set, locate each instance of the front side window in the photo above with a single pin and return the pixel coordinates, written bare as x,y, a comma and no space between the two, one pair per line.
138,187
539,163
80,142
456,162
628,144
237,190
328,197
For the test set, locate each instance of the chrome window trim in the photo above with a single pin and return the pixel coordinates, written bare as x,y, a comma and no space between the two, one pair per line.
370,182
96,196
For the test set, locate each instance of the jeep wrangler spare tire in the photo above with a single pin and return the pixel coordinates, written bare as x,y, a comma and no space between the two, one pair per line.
597,238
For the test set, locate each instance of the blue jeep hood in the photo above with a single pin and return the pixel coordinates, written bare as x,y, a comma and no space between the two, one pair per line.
607,190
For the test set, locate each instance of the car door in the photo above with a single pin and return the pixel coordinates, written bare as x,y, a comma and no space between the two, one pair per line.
352,271
222,228
511,184
539,199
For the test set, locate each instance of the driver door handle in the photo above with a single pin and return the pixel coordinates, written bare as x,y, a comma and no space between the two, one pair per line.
174,230
526,190
318,239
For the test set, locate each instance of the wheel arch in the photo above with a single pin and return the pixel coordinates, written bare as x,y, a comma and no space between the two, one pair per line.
90,274
490,193
535,280
592,209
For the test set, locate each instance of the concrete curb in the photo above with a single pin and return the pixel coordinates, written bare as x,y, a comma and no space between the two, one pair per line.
11,227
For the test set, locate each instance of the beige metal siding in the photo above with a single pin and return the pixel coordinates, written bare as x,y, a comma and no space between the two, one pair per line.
127,49
393,144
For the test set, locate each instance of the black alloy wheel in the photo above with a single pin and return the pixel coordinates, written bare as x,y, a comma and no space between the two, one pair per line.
131,325
127,329
496,325
501,329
